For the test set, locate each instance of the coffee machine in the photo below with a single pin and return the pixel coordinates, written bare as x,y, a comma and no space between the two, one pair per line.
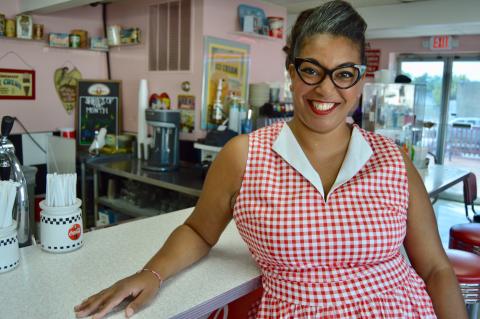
164,154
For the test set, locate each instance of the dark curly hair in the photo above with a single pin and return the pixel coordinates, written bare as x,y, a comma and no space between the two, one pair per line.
336,17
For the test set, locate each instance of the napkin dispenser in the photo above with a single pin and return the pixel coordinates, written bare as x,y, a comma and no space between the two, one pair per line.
11,169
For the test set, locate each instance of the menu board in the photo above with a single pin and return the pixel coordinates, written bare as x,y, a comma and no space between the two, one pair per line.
98,105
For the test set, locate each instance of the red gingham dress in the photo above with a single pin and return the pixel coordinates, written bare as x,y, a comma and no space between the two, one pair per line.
334,259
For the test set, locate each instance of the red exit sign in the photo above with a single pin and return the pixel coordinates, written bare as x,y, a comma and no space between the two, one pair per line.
441,42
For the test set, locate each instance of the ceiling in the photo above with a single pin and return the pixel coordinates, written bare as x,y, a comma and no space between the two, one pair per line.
296,6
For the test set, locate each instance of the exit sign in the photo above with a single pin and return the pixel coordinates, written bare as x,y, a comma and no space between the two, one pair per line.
441,42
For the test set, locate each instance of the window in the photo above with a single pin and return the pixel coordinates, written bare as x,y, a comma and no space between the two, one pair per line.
169,36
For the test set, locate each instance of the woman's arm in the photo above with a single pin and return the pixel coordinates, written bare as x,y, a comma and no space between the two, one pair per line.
426,253
188,243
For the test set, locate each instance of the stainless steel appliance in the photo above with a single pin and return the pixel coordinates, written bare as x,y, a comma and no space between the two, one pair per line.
11,169
164,155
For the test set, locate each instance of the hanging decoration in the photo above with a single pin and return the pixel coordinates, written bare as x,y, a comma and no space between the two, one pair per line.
66,81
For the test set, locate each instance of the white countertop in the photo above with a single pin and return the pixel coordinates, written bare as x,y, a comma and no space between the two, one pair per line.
47,285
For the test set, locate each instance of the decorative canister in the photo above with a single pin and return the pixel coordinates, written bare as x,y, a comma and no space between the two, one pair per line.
38,31
10,29
61,227
2,25
24,26
74,40
83,37
113,34
9,251
275,26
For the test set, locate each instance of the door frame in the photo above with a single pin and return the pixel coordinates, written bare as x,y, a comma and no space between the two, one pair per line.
447,60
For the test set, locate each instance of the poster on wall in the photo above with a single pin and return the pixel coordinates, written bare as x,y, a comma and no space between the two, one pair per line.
99,105
227,62
186,105
373,61
17,84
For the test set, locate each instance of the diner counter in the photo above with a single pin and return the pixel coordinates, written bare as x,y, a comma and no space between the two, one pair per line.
47,285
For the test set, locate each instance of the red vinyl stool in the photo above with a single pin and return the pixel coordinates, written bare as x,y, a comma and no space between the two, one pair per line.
465,237
466,267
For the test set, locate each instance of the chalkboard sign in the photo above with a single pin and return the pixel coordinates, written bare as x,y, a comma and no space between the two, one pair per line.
98,105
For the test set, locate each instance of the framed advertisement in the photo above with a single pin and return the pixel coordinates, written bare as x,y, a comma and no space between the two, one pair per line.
98,105
17,84
226,60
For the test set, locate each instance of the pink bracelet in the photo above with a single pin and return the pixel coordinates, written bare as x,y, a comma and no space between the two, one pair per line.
160,280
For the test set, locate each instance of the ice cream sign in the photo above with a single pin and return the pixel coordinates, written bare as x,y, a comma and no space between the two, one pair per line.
17,84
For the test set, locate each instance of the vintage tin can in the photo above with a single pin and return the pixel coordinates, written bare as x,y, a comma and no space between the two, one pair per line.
38,31
10,30
2,25
24,26
113,34
58,40
83,37
74,40
130,36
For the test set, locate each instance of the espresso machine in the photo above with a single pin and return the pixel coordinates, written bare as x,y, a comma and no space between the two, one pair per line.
164,155
10,169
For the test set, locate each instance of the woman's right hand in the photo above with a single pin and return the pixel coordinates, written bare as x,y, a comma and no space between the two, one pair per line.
139,289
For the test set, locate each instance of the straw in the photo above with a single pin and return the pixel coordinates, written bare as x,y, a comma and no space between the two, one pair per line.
8,192
61,190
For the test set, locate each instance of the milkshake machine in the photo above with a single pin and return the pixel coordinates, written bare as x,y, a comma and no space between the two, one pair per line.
164,155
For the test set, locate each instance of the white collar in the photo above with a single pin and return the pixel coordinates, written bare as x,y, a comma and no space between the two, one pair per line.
358,153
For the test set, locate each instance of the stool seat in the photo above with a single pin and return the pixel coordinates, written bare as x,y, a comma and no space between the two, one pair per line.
466,266
467,233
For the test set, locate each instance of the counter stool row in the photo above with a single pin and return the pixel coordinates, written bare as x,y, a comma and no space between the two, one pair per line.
464,250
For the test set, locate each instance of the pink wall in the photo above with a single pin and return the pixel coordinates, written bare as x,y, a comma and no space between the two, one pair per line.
211,17
130,64
267,63
46,113
390,48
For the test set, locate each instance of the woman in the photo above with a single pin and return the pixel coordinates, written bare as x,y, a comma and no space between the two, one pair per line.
323,206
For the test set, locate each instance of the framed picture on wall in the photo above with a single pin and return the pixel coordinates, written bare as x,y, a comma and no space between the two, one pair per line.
17,84
99,105
226,61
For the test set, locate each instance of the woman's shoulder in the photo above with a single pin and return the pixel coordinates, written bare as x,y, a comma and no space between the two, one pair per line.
267,135
378,142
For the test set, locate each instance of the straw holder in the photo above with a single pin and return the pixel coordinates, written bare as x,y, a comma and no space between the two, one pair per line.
61,227
9,251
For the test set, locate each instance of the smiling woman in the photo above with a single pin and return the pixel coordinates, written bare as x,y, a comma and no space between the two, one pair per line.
323,206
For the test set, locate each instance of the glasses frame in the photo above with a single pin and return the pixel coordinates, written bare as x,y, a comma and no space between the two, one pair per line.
360,67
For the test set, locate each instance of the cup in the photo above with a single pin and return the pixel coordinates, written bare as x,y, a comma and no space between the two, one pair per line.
420,157
9,251
67,132
61,227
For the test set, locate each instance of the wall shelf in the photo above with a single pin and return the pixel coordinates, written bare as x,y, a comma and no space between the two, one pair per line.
43,41
256,36
22,40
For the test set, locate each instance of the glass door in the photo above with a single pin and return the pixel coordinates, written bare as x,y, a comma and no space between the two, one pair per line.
453,106
463,129
431,73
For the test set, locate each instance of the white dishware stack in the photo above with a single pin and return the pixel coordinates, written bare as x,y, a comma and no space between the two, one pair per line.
61,226
9,250
259,94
